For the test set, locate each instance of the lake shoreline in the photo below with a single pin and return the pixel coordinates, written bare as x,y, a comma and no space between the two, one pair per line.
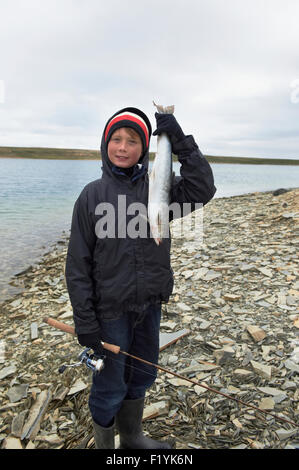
43,153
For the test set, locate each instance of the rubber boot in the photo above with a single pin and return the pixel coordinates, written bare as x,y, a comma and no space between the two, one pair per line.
129,425
103,437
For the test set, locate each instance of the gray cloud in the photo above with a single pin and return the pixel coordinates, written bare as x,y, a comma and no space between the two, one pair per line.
227,67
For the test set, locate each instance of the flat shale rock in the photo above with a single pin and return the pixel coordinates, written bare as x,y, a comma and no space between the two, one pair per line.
17,392
7,371
261,369
11,443
156,409
236,293
258,334
224,355
78,386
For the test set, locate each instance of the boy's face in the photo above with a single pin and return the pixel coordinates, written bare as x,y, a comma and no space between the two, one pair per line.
124,147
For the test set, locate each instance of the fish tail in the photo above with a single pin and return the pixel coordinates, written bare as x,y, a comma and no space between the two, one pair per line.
164,109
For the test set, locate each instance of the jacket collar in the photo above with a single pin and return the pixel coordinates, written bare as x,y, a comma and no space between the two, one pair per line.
138,171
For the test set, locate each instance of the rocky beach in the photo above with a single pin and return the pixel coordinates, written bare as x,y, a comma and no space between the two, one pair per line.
236,292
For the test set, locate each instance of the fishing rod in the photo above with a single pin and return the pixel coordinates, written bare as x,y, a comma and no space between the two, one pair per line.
87,359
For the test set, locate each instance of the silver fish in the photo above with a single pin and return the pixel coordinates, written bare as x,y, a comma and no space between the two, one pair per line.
160,184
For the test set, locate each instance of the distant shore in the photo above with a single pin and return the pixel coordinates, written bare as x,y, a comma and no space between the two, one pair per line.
81,154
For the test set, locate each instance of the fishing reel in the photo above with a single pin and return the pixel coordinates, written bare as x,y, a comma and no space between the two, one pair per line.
91,360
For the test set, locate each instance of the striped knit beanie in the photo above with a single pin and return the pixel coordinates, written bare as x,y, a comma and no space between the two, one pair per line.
130,117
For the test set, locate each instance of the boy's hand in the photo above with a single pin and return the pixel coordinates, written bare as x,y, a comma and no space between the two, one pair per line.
167,123
92,341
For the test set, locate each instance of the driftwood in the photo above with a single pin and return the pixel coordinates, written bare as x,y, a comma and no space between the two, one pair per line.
32,425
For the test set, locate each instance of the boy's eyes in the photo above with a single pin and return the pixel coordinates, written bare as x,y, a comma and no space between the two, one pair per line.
118,139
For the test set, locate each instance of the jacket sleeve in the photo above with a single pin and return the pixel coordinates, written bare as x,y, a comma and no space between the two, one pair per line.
78,269
196,183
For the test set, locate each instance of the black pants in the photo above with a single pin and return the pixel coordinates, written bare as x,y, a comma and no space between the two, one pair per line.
124,378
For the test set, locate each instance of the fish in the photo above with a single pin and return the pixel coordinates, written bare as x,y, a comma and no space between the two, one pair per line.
160,184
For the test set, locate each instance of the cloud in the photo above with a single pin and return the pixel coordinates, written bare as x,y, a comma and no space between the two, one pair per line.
227,66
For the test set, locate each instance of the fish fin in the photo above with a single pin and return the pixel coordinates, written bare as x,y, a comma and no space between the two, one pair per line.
164,109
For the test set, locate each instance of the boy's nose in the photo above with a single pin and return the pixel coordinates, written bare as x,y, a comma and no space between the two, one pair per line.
123,145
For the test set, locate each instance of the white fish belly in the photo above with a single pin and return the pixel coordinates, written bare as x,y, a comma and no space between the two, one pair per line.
159,190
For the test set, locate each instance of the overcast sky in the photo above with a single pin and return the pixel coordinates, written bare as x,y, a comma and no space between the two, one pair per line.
230,67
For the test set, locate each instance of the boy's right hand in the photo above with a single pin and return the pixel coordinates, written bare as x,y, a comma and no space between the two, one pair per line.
93,341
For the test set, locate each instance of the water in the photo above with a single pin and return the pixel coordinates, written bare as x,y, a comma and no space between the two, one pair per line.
37,198
232,180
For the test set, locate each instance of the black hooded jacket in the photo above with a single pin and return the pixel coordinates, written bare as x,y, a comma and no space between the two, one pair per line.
108,276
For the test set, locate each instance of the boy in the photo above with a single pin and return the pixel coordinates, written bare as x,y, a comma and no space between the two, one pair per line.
116,283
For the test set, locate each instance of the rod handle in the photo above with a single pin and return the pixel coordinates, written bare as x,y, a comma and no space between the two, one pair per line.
70,329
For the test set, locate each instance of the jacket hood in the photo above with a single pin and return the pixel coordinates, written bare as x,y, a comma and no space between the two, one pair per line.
143,162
